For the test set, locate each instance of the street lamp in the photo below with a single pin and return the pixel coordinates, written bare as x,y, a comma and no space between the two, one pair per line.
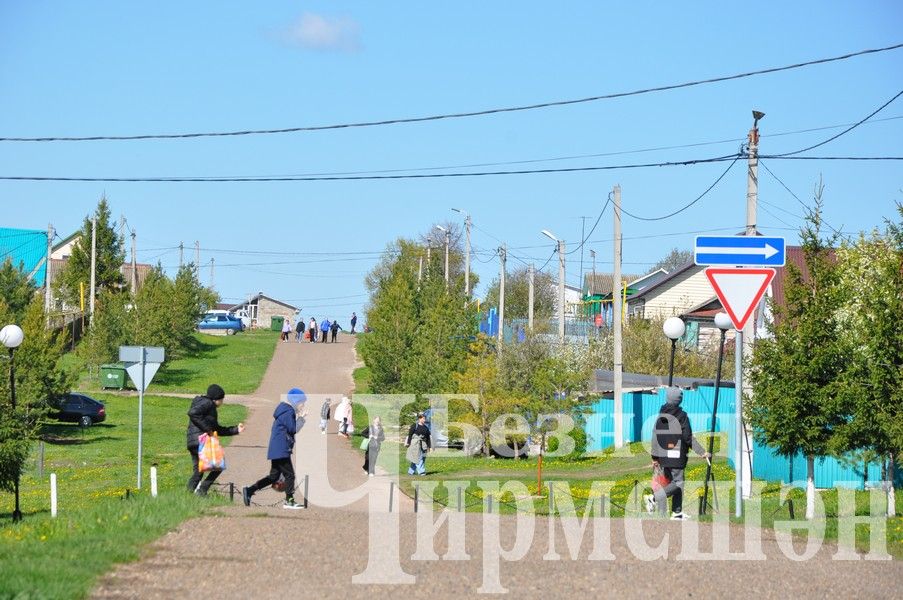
549,235
722,322
12,337
674,327
447,234
467,223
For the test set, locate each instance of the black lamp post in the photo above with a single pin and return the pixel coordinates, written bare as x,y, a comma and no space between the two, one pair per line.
674,328
723,322
11,336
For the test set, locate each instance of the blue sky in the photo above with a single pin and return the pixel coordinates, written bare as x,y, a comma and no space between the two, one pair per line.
117,68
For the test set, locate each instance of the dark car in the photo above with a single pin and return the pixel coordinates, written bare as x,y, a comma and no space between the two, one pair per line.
79,408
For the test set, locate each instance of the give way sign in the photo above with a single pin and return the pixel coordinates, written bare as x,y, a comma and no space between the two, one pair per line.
739,290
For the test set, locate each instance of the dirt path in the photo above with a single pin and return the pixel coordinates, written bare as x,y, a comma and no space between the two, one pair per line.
266,552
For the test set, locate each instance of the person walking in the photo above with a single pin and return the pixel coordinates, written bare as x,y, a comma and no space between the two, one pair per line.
418,444
324,329
312,330
286,328
324,415
672,437
374,434
288,419
343,414
299,330
334,328
202,418
353,322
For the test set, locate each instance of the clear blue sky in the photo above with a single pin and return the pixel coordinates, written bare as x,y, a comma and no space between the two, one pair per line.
119,68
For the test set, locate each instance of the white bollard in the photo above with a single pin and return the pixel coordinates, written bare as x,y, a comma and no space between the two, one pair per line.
153,478
53,494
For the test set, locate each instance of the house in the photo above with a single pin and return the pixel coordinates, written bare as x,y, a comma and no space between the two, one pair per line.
262,308
597,290
672,295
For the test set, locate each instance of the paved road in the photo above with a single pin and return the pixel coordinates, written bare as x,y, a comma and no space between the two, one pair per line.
322,552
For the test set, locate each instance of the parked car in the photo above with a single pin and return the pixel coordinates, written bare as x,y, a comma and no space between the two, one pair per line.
79,408
219,321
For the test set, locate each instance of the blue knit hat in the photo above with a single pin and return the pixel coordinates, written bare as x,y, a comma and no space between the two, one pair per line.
295,397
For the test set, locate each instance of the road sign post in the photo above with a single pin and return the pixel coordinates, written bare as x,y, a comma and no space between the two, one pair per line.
143,362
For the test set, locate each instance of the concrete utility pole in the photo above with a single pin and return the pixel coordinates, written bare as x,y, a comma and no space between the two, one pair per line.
447,235
530,299
197,259
467,257
616,319
134,267
561,291
48,302
428,261
212,273
420,272
503,255
181,254
93,264
592,282
582,244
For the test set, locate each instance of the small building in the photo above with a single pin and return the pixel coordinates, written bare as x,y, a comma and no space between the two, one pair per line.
262,308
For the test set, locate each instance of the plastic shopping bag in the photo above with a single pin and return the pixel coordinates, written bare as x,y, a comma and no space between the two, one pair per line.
210,453
659,480
365,443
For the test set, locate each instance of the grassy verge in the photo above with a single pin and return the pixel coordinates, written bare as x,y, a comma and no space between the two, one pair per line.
97,526
236,362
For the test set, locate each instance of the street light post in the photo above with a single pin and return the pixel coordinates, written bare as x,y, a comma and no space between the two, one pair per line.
11,336
674,327
723,322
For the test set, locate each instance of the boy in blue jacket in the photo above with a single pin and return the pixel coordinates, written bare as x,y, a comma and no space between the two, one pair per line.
279,452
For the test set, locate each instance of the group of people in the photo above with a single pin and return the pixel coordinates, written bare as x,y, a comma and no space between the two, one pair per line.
315,333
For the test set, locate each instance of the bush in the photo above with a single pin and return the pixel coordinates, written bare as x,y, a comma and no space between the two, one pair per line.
578,434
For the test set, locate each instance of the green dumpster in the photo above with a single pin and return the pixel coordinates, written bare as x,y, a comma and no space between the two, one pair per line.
276,323
112,376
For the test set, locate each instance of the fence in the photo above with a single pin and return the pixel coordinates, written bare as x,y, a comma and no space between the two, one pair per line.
638,418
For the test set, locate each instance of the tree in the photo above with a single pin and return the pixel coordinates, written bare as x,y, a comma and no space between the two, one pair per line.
109,329
109,259
39,379
872,277
517,294
674,260
796,374
17,290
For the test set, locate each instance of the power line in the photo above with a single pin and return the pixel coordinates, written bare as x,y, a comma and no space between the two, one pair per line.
599,218
458,115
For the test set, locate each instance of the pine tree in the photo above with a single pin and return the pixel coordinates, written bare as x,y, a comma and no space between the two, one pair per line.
16,289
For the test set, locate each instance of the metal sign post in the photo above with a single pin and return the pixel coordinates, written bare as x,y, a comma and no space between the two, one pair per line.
144,362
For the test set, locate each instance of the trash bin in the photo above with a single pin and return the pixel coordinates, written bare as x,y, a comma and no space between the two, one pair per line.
276,323
112,376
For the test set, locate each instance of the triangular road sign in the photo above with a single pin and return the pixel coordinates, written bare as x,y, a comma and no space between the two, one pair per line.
134,371
739,290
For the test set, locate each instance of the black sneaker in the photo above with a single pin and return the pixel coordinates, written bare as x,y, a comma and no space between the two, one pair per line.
246,495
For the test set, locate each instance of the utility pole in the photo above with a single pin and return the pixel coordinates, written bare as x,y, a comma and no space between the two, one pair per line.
93,264
503,256
428,261
561,291
197,259
181,254
48,303
582,244
447,235
122,231
592,282
420,272
616,319
530,299
467,257
134,267
211,272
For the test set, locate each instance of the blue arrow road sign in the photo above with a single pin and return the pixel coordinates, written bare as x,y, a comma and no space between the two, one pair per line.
737,251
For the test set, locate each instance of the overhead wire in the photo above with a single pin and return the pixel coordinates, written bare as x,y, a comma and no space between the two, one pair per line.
457,115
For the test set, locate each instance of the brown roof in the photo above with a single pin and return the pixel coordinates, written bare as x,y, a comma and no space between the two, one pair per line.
603,282
795,256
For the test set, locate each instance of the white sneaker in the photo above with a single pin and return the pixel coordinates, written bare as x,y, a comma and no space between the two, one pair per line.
650,503
680,516
292,505
323,431
370,474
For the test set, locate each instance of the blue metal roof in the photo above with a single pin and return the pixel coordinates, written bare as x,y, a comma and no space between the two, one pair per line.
28,250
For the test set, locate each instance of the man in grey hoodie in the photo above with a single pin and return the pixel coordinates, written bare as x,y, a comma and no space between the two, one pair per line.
671,441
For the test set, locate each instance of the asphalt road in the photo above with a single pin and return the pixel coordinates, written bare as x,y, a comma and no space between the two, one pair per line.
328,551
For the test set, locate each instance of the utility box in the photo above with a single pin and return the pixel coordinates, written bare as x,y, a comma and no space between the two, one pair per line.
276,323
112,376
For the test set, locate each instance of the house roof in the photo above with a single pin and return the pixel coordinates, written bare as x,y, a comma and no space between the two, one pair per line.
257,297
704,311
66,240
658,284
603,282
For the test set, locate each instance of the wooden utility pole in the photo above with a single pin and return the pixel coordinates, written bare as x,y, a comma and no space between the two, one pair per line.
93,265
616,320
503,255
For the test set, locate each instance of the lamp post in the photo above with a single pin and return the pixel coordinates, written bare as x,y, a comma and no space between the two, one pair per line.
12,337
447,234
722,322
549,235
467,223
673,327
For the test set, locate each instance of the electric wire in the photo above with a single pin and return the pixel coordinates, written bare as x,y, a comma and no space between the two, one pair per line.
586,237
457,115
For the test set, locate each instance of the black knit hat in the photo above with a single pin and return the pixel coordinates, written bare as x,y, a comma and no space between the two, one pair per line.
215,392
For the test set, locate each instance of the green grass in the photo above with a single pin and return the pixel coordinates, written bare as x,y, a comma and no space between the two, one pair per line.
236,362
361,377
96,527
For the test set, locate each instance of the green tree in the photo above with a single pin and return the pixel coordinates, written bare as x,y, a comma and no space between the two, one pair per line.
109,329
796,374
674,260
109,258
872,278
16,289
39,380
517,294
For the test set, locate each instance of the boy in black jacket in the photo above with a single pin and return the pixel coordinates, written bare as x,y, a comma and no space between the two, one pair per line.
671,441
202,418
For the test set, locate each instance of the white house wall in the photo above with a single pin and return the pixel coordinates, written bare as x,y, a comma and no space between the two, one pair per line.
682,293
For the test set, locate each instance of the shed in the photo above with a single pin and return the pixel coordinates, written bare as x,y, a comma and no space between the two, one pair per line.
262,308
